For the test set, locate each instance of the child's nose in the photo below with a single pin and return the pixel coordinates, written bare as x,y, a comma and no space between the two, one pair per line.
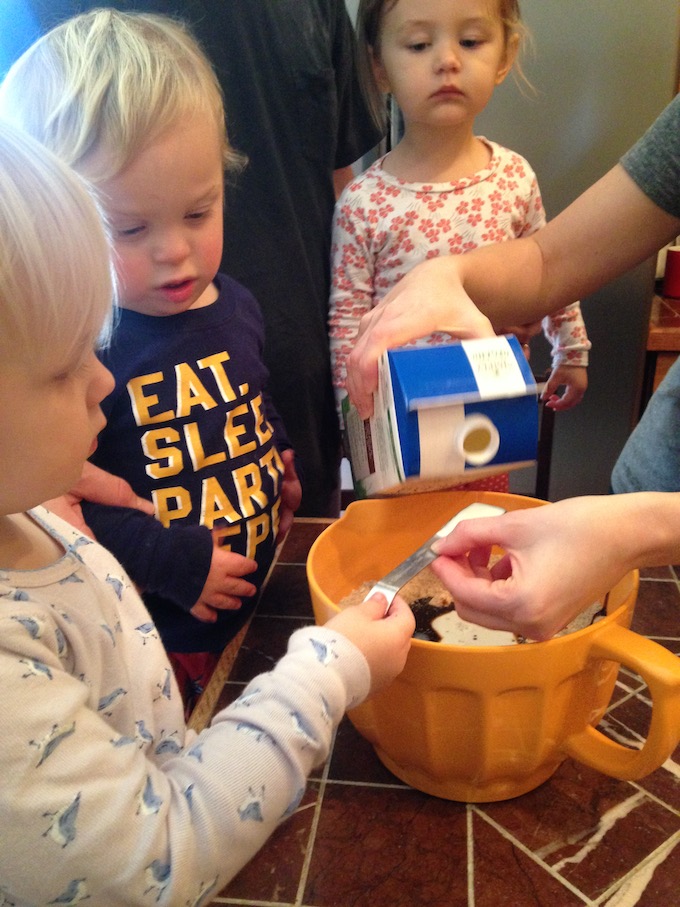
448,56
102,382
172,246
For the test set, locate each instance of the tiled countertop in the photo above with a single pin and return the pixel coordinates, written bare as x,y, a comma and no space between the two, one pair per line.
361,838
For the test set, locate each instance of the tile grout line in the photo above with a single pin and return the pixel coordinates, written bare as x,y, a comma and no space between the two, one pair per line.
651,862
311,840
653,797
239,902
470,842
338,782
532,856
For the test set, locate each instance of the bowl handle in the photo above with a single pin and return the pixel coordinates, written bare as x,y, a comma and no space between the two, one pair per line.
660,669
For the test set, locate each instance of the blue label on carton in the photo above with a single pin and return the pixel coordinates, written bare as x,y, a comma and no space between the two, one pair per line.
446,413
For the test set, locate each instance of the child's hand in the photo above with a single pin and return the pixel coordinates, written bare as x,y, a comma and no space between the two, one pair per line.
100,487
384,641
574,379
291,494
225,587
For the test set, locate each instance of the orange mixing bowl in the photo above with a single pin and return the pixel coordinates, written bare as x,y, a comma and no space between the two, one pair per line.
490,722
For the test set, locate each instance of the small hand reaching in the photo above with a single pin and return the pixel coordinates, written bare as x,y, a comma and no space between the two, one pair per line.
384,640
574,379
291,494
100,487
225,586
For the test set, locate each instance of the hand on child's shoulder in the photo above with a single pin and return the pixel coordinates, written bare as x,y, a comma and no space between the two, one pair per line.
100,487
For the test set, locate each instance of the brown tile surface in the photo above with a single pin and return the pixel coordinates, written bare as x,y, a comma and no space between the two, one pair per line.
502,873
387,846
362,838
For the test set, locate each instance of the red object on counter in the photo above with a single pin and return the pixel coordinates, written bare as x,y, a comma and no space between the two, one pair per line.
671,277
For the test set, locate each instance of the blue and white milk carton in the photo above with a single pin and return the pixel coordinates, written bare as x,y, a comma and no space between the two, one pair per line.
443,415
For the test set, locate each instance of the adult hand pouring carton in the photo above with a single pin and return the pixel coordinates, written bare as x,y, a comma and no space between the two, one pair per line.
444,415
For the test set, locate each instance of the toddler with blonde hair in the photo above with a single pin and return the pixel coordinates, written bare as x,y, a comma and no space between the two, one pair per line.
131,102
106,796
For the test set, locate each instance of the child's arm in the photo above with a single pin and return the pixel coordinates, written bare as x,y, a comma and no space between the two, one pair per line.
182,564
574,380
121,817
352,286
567,334
291,485
291,494
173,563
225,585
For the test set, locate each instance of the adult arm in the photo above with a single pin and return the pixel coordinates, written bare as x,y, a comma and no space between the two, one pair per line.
96,485
558,560
598,237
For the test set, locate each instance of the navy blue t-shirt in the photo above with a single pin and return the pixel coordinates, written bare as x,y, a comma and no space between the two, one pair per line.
191,427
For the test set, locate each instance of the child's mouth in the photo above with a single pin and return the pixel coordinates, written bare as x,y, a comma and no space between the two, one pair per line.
179,290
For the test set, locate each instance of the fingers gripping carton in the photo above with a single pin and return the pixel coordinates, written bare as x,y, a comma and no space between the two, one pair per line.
443,415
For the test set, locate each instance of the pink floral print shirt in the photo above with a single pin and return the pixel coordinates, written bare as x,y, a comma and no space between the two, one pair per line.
384,226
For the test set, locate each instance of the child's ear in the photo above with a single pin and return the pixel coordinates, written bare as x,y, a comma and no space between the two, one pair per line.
379,73
509,57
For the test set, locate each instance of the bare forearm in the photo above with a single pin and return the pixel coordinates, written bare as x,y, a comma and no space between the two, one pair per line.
647,525
506,281
609,229
605,232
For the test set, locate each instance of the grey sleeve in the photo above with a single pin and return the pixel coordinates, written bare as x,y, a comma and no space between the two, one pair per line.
654,161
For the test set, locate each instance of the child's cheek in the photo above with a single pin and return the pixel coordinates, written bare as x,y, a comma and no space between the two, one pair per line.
214,252
131,275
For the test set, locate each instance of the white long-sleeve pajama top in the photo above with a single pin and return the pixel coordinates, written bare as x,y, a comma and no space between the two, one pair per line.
105,795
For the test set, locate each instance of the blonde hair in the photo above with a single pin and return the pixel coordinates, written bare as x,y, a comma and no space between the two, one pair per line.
55,272
369,23
101,86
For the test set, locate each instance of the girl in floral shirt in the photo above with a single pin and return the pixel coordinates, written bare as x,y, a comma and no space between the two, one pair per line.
442,190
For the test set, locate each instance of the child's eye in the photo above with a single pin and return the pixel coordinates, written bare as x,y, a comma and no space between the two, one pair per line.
127,232
68,372
470,43
197,215
418,46
63,376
